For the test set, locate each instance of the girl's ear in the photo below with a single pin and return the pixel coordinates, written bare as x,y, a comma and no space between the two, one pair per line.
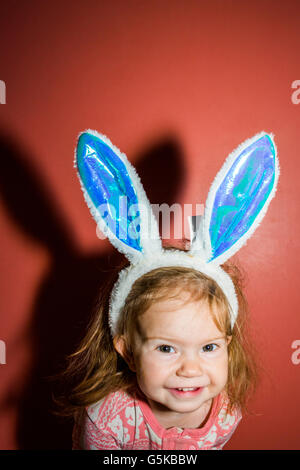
229,338
121,347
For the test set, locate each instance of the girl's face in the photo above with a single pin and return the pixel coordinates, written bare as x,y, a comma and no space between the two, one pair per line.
180,356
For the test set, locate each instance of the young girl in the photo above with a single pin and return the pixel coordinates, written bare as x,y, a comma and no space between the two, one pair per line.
164,364
185,375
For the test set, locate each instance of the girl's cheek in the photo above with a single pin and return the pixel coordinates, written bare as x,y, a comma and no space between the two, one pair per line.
155,358
217,355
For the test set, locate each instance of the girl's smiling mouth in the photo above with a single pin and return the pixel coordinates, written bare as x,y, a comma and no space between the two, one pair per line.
186,391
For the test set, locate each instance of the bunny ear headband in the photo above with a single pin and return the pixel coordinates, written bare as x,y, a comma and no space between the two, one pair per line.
237,202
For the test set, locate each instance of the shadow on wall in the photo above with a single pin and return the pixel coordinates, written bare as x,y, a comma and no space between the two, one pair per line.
67,296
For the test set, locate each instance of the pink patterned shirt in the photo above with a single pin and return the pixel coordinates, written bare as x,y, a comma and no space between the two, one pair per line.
121,421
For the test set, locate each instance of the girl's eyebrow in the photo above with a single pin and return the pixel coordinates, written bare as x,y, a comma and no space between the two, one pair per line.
174,340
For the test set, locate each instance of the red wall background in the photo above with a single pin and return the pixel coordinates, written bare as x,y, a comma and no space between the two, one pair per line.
176,86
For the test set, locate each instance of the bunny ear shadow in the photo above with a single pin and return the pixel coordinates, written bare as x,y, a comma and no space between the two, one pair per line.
162,170
27,200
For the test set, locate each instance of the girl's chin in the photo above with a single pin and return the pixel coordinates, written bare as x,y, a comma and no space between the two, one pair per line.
176,406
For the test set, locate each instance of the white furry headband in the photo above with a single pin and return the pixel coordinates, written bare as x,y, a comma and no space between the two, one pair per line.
237,202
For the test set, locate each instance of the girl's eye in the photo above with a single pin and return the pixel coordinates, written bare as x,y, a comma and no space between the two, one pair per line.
165,348
209,347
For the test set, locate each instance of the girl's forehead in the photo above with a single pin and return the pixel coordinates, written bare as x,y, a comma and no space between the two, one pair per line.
177,313
176,300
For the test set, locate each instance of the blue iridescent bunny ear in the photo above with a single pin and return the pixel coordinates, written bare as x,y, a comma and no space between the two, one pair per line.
238,199
116,197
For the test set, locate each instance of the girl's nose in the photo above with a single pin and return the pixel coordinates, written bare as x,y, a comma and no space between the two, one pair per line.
190,368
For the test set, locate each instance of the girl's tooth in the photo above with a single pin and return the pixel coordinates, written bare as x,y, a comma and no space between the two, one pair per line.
187,389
